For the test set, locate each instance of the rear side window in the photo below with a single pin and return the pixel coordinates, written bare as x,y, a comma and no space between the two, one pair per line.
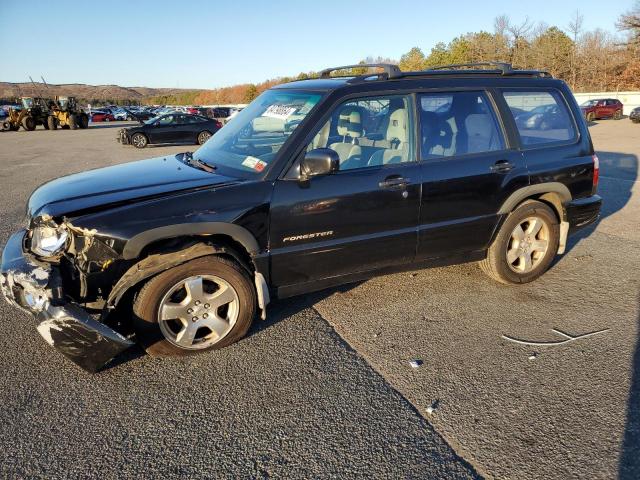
541,117
457,123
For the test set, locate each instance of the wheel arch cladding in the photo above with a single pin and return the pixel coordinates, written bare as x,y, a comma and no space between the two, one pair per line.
241,235
154,264
554,193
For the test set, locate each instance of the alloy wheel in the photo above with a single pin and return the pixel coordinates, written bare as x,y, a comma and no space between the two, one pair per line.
203,137
198,312
139,140
528,244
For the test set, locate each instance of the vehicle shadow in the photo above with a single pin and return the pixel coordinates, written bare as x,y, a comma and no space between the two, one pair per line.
278,310
618,172
629,466
111,124
282,309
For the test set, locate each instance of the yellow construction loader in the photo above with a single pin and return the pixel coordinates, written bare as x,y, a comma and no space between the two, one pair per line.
65,113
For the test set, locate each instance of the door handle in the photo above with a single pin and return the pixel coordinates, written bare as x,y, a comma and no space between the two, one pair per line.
394,182
502,166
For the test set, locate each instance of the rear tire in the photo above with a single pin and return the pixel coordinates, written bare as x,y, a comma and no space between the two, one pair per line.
51,123
160,334
83,121
525,245
29,123
72,122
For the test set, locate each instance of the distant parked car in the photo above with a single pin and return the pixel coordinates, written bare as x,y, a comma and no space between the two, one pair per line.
602,108
544,117
101,116
171,128
122,114
635,115
142,115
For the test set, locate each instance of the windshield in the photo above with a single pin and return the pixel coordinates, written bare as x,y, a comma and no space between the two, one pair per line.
589,103
252,139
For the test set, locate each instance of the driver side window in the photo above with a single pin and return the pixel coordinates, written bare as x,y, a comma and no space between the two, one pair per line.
168,120
369,132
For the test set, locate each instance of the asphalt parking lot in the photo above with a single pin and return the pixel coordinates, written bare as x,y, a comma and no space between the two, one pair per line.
324,387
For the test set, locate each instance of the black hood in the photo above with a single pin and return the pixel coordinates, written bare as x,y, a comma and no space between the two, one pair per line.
119,183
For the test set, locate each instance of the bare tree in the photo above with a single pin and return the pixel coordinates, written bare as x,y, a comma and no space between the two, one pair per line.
519,34
630,22
575,28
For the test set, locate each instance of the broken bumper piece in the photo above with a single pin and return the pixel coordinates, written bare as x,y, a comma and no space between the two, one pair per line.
34,287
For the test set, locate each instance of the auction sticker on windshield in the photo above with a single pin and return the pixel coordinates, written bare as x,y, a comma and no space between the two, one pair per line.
279,111
254,163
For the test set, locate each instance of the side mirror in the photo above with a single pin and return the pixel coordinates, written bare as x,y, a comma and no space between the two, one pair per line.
320,161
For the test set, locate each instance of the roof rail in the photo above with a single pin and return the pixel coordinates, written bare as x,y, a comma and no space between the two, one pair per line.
505,68
391,70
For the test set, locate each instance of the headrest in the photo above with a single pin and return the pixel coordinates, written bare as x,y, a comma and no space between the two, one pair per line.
397,129
350,122
479,125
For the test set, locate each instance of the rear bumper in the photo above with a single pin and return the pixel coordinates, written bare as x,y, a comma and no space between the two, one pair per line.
583,212
35,287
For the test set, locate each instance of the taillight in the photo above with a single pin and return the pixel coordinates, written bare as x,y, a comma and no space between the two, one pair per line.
218,124
596,172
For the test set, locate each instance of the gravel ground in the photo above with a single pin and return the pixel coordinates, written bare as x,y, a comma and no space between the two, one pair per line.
298,399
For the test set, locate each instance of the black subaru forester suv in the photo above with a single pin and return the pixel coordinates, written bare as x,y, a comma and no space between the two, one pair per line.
316,183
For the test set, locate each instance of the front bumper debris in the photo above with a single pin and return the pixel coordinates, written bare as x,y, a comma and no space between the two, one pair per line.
123,137
35,287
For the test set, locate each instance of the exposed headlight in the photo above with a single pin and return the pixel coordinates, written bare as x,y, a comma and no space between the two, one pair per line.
47,241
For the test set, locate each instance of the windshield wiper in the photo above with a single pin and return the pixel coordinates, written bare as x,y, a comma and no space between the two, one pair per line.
197,163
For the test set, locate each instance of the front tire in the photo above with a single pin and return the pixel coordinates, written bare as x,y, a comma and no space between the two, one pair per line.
205,304
29,123
51,122
591,117
139,140
203,137
525,245
617,115
73,122
83,122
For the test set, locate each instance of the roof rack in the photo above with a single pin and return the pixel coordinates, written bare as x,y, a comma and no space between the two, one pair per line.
505,68
389,69
501,68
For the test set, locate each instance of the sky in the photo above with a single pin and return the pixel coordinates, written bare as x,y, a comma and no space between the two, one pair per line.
209,44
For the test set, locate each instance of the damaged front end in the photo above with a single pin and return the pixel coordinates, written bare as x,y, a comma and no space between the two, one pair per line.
123,137
36,287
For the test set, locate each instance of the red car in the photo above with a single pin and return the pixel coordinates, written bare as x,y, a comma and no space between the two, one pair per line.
602,108
98,116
